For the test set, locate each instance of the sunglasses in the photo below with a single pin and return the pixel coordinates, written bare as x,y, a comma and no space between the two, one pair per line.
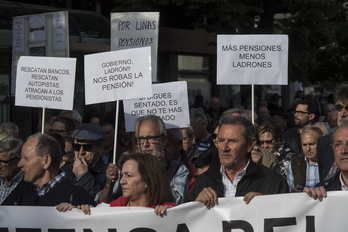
86,147
339,107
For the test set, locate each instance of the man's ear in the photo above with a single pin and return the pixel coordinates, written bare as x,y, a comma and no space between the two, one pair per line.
47,159
311,116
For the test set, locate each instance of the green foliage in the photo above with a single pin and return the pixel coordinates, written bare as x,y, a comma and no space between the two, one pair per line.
318,35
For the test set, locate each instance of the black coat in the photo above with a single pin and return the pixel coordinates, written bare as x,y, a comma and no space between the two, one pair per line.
256,179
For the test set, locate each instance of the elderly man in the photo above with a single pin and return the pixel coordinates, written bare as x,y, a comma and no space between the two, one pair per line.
11,179
303,169
327,166
340,180
151,136
235,174
39,163
88,169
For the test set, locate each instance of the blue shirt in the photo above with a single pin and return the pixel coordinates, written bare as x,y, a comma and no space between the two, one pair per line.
312,175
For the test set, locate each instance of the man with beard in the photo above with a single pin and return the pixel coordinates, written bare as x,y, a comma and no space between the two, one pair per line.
151,137
306,113
327,166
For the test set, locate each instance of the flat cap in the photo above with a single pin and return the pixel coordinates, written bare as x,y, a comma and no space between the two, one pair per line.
89,132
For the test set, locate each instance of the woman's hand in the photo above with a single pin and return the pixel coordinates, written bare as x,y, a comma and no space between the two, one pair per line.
161,210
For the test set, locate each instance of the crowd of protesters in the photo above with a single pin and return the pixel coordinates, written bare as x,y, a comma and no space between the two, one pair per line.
224,153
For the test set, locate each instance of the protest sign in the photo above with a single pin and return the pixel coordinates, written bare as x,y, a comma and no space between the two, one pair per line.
252,59
118,75
136,29
46,82
168,101
292,212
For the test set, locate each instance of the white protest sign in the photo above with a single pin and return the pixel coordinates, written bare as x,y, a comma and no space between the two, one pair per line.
168,101
292,212
118,75
136,29
252,59
46,82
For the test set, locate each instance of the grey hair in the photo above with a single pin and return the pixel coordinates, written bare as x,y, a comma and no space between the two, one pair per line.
198,115
189,131
175,135
153,118
11,145
10,126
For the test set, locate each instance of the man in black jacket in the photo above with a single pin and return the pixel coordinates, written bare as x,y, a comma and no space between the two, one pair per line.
39,164
88,169
235,174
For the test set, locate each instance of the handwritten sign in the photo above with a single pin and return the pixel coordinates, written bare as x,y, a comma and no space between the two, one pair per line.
168,101
118,75
46,82
252,59
136,29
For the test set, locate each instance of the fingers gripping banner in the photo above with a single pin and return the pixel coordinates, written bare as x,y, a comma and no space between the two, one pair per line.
294,212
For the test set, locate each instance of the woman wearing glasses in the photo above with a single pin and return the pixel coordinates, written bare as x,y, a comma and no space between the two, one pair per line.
269,137
144,183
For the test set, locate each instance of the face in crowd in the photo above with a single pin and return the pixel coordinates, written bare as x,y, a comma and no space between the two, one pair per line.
234,150
301,116
268,142
88,150
340,147
149,139
342,112
8,166
188,142
309,145
32,165
133,186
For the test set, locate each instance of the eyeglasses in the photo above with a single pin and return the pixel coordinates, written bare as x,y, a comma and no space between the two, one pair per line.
339,107
149,139
58,131
300,112
86,147
214,136
338,145
268,142
5,162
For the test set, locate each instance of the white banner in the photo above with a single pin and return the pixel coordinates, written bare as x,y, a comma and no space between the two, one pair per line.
168,101
118,75
46,82
252,59
136,29
295,212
